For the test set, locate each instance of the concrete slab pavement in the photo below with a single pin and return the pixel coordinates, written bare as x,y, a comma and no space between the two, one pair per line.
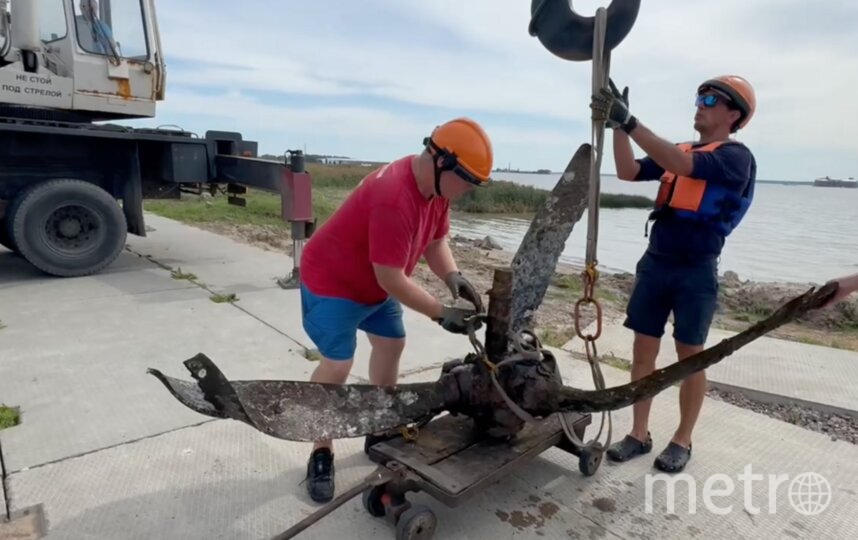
427,344
224,480
796,371
251,273
122,459
78,369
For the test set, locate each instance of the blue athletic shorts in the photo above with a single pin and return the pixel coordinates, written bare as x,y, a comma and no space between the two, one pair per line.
662,286
332,323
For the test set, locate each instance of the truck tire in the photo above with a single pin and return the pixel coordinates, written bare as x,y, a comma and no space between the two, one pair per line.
68,228
5,239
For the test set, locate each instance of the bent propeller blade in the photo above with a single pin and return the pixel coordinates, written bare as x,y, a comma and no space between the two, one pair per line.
536,258
303,411
611,399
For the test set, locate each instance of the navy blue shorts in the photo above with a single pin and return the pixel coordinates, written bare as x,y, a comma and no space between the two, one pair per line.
689,290
333,323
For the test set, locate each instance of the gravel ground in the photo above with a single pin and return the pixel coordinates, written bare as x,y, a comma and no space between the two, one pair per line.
838,427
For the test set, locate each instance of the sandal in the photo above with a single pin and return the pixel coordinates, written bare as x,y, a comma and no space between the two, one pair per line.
628,448
673,458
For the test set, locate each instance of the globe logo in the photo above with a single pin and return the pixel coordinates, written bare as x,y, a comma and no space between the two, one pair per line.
809,493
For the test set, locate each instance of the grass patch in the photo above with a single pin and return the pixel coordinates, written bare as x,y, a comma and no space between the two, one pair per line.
838,344
178,274
572,286
555,337
9,416
753,315
223,298
571,283
810,340
2,326
333,183
505,197
312,355
613,361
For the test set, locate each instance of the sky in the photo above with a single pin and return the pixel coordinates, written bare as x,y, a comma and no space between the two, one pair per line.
370,79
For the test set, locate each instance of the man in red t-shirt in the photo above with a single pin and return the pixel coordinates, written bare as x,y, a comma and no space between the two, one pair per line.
356,269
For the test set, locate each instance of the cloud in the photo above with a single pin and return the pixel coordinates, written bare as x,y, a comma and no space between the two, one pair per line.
368,79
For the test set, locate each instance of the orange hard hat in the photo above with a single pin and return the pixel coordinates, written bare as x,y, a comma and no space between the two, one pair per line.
740,92
465,147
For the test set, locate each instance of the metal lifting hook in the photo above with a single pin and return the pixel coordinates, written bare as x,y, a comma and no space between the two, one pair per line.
569,35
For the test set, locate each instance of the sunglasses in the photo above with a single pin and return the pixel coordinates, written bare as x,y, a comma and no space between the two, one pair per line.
708,100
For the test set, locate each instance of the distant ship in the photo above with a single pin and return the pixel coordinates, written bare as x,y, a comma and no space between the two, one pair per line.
835,182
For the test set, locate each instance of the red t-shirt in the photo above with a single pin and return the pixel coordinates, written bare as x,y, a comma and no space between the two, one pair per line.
385,220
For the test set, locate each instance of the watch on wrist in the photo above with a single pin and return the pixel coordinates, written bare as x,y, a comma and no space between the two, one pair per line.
630,125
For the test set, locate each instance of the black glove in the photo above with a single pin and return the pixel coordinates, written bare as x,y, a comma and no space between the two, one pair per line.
454,320
613,107
460,286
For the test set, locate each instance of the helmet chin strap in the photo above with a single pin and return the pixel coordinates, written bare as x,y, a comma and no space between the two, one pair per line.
437,178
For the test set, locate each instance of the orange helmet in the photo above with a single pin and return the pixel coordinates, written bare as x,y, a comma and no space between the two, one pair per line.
740,92
465,149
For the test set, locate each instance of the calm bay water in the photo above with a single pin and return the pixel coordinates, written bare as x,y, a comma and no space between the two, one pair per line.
791,233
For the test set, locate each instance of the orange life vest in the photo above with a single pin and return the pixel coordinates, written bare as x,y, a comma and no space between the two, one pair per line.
710,202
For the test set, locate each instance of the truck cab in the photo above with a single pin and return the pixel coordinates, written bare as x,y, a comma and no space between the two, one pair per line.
70,71
85,59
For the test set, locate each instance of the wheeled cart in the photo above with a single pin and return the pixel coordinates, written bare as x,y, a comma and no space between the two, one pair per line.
452,462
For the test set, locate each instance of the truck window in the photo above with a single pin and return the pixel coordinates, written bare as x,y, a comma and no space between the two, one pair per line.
112,28
52,25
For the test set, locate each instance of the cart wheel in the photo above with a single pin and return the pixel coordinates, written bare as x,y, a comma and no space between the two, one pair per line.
416,523
372,501
590,459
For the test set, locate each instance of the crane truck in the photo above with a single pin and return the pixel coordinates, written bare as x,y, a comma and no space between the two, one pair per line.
73,179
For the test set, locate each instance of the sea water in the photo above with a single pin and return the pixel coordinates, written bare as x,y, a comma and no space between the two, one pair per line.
792,233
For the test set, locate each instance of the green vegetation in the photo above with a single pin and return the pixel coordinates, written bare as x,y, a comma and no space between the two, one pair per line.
572,285
178,274
504,197
555,337
9,416
223,298
333,183
2,326
615,361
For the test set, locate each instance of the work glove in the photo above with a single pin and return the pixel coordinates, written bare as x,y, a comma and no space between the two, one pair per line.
459,286
455,320
612,107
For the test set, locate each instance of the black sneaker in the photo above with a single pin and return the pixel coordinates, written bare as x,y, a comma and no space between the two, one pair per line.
320,475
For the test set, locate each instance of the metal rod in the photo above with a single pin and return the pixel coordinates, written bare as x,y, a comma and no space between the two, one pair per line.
382,475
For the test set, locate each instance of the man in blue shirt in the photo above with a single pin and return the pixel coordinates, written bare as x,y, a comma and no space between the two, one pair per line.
705,190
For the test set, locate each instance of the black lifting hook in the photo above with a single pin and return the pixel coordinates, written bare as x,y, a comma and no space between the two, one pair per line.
569,35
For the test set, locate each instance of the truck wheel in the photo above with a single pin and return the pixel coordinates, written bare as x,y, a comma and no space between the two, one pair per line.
68,228
5,239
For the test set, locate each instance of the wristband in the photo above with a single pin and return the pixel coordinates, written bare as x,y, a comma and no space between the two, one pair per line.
630,125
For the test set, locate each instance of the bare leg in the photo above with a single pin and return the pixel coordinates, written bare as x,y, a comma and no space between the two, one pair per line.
643,363
384,359
691,395
334,372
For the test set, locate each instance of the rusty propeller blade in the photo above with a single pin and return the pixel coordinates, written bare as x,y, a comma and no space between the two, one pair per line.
305,411
299,410
536,258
